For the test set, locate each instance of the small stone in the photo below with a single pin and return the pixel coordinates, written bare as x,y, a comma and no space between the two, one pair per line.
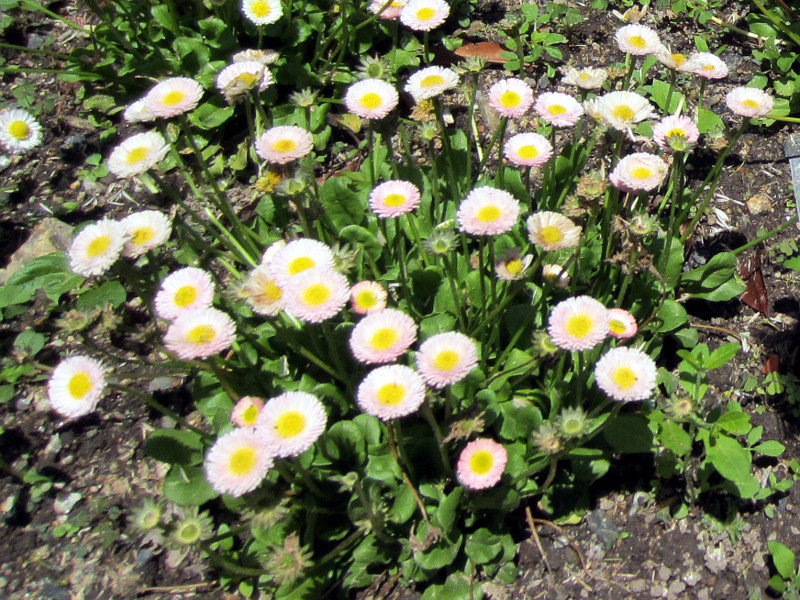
143,557
702,594
759,203
658,590
64,503
664,573
637,586
55,591
3,582
691,578
676,587
48,235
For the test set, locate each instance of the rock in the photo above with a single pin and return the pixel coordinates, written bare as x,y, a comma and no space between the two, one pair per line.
605,529
676,588
759,203
64,503
144,556
637,586
691,578
55,591
664,573
49,235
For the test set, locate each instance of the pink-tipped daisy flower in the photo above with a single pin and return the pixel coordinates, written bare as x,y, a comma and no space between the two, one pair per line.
284,143
749,102
424,15
705,64
390,12
185,290
96,247
578,323
76,386
246,411
173,96
239,77
371,98
585,78
626,374
390,392
430,82
200,333
623,110
262,12
298,256
552,231
527,150
316,295
675,132
145,230
638,172
446,358
394,198
137,112
382,336
560,110
487,211
481,464
556,274
290,423
262,291
621,324
137,154
367,297
237,462
510,97
637,39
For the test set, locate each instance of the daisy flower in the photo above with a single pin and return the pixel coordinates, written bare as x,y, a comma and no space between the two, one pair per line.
749,102
76,386
185,290
552,231
487,211
290,423
430,81
137,154
527,150
637,39
145,230
240,77
557,275
316,295
705,64
96,247
298,256
391,13
621,324
638,172
137,112
173,96
586,78
675,132
668,58
262,12
265,57
578,323
246,411
626,374
424,15
237,462
446,358
382,336
560,110
371,98
19,131
510,97
200,333
262,291
512,266
394,198
481,464
622,110
390,392
367,297
284,143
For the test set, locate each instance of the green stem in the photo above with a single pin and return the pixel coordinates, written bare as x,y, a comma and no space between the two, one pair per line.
777,22
767,235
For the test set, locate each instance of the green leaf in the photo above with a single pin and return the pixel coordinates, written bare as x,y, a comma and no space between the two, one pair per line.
483,546
793,263
343,205
109,292
675,438
783,559
629,434
777,583
770,448
175,446
729,458
210,116
737,423
164,17
441,554
187,486
448,510
722,355
672,315
30,342
361,238
404,506
344,442
457,587
708,121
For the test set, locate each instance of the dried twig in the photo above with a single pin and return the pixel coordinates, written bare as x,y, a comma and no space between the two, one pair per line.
536,539
174,589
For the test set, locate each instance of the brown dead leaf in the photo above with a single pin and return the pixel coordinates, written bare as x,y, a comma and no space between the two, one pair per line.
772,365
755,296
492,51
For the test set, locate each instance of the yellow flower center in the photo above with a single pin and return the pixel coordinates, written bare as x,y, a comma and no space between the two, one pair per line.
284,145
246,78
551,234
446,360
676,131
708,67
242,461
201,334
19,130
174,97
749,102
624,112
250,415
642,172
679,58
185,295
383,339
290,424
514,266
637,41
556,109
371,100
510,99
583,76
260,8
487,214
579,326
391,394
528,152
142,235
79,385
432,80
394,200
301,263
98,245
616,326
366,299
481,462
271,291
624,377
423,14
137,155
316,294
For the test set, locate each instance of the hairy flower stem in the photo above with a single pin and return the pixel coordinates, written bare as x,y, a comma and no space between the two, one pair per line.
495,136
429,417
457,298
373,517
412,226
453,181
406,479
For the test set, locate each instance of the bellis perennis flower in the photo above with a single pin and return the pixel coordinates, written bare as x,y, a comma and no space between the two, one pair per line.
481,464
390,392
510,97
19,131
626,374
76,386
424,15
371,98
487,211
578,323
749,102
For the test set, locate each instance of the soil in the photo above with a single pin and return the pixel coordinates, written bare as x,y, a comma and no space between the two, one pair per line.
66,534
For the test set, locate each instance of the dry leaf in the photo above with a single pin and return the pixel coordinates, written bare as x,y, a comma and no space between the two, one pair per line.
492,51
755,296
772,365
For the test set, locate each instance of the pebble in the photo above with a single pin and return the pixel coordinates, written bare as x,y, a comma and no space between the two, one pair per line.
64,503
759,203
3,582
658,590
664,573
143,557
691,578
676,587
55,591
638,585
